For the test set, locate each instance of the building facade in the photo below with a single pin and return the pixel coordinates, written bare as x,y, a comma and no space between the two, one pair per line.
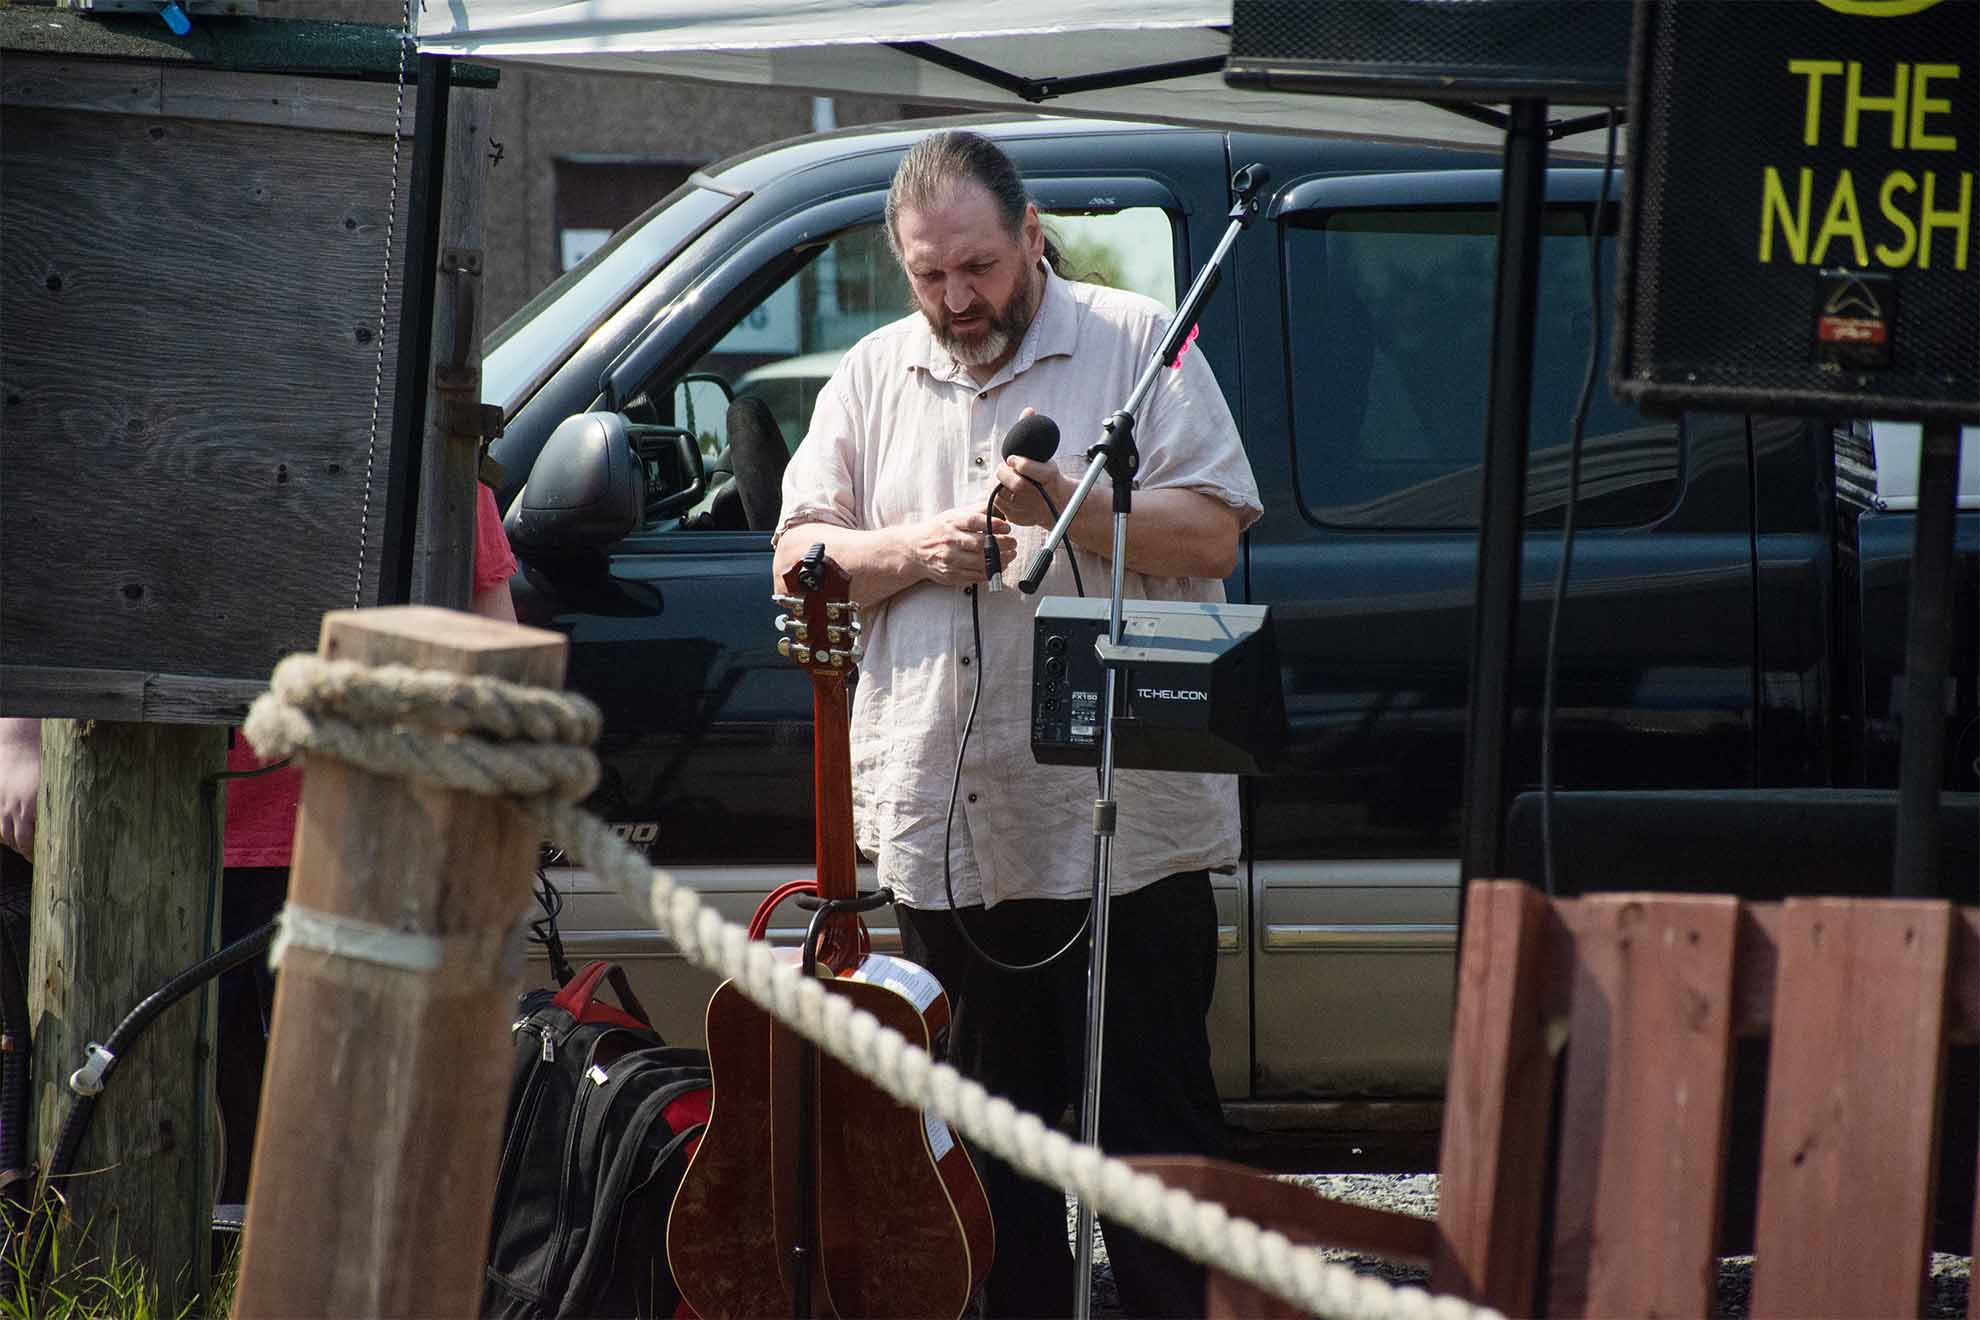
574,156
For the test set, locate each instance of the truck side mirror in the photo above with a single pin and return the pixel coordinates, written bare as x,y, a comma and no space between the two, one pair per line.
676,477
586,489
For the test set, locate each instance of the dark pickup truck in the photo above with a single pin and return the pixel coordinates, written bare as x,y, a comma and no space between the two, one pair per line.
1734,626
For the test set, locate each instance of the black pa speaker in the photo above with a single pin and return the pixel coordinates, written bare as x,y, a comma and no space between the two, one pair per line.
1570,51
1798,225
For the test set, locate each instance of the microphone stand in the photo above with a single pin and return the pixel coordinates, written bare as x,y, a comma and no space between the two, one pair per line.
1119,459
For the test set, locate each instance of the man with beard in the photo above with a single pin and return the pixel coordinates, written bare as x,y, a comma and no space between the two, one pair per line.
993,880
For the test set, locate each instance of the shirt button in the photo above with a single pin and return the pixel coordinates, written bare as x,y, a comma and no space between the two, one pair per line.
972,797
965,661
979,460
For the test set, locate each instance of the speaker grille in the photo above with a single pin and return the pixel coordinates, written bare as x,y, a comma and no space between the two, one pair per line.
1575,50
1729,282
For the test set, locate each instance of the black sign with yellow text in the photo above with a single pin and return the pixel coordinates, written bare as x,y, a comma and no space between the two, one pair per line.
1799,228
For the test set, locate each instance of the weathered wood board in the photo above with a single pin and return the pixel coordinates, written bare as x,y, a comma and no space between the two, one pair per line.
195,418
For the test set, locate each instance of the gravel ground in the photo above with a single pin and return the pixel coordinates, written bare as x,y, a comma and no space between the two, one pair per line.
1416,1194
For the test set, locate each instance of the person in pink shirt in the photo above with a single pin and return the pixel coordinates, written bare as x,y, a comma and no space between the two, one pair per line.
260,841
261,810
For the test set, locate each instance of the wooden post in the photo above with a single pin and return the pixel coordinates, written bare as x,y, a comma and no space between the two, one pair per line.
443,560
125,898
375,1160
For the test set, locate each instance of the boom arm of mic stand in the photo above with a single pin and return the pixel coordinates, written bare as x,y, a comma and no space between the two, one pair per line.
1118,452
1120,458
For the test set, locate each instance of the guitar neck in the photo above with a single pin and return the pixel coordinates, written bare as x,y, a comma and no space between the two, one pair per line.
821,632
831,770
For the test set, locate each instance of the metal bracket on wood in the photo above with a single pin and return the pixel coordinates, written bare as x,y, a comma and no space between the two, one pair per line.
458,261
463,416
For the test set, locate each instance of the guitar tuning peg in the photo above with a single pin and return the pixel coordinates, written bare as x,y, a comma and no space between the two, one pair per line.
835,608
784,602
838,659
801,654
794,626
834,634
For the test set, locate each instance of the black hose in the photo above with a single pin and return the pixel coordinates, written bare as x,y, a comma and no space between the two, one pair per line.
15,1057
16,1054
251,945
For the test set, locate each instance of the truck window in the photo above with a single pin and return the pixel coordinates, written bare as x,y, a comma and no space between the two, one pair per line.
1390,345
786,346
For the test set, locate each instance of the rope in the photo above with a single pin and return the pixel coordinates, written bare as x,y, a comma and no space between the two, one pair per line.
315,705
469,961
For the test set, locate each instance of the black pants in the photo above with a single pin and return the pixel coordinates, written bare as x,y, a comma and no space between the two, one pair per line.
1024,1037
250,897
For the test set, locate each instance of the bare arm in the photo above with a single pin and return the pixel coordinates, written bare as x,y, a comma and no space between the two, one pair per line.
947,549
20,779
1171,533
495,602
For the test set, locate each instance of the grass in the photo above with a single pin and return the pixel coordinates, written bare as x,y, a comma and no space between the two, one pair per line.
82,1280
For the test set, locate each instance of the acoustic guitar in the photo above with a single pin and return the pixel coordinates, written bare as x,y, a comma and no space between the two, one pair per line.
812,1191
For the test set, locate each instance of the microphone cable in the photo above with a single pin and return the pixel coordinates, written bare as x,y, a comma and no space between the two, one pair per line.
1596,222
991,558
993,561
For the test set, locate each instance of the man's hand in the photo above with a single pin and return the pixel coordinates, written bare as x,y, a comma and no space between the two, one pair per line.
948,548
1020,501
20,778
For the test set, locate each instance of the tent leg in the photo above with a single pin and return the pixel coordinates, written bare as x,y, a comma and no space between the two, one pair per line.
1495,606
422,259
1915,870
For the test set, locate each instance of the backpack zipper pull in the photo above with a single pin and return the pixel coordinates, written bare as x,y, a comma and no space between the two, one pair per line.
596,1074
549,1047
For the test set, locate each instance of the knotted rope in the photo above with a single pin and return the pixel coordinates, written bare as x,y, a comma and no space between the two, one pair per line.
487,736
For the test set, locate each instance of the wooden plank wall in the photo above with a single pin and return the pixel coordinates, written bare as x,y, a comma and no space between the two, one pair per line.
190,326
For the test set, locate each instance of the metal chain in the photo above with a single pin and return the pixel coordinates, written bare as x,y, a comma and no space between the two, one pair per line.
384,294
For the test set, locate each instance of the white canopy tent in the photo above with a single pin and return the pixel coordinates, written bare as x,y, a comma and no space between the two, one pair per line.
1155,60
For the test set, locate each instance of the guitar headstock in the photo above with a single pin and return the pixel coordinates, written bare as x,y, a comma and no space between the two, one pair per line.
821,621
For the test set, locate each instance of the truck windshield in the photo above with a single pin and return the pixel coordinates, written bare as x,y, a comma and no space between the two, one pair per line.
527,348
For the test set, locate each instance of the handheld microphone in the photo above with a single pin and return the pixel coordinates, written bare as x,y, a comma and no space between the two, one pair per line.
1035,437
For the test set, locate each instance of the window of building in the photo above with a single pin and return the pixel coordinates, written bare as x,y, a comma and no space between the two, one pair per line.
598,196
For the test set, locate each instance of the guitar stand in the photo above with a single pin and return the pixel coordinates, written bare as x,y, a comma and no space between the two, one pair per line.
804,1250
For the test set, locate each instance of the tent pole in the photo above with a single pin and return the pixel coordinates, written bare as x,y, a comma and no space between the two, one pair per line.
1495,606
1928,648
402,471
1036,90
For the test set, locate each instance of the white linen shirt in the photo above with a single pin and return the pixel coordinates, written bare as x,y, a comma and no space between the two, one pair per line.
901,433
